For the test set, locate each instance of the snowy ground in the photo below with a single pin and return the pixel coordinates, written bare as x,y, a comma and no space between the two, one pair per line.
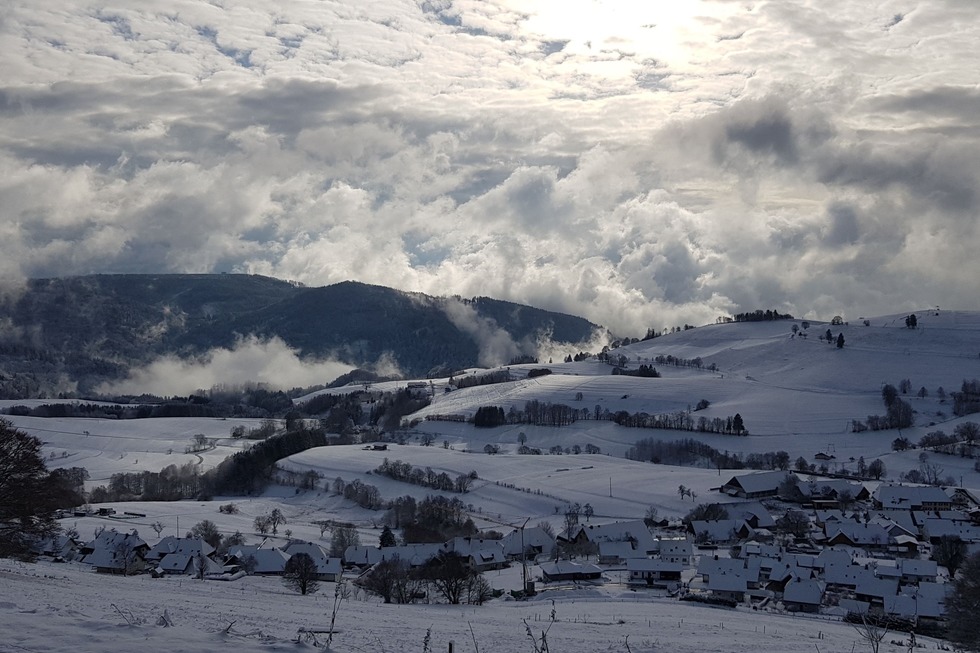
51,607
795,395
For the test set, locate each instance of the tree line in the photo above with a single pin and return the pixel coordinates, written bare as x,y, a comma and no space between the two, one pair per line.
682,421
407,473
691,453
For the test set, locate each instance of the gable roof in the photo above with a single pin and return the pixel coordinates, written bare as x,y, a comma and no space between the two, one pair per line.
535,537
757,482
109,550
807,592
911,496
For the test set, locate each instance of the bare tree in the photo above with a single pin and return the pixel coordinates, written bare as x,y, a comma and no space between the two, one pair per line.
393,580
341,538
871,632
276,519
300,574
450,575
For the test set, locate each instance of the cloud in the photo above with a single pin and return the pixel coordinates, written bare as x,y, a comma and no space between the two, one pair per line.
496,347
641,167
269,362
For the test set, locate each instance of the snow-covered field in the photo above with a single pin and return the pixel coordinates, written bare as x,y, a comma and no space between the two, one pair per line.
795,395
107,446
51,607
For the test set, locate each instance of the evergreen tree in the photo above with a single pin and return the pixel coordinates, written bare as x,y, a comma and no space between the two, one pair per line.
963,605
387,538
28,493
737,425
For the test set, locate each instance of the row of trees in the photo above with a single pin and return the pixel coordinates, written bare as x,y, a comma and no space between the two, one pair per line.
407,473
692,453
643,371
682,421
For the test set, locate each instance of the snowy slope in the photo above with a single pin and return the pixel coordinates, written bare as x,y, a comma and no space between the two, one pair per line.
48,607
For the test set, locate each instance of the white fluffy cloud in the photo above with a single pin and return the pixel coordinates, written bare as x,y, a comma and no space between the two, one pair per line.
641,166
269,362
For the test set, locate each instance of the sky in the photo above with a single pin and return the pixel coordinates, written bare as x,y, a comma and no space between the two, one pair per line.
639,164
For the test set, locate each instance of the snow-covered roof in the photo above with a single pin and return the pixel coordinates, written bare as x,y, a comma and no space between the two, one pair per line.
809,592
758,482
910,497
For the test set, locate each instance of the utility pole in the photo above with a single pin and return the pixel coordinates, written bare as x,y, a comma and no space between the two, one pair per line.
524,557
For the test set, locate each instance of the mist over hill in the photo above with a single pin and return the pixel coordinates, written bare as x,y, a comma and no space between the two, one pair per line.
76,334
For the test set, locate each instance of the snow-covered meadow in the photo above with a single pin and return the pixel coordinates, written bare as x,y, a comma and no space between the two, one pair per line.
51,607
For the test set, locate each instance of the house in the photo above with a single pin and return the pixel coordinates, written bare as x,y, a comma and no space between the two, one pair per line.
803,595
856,534
565,570
482,555
327,568
171,544
634,531
832,492
755,486
717,531
935,529
875,590
924,603
911,497
731,585
258,560
909,571
963,498
615,553
188,555
648,572
530,542
415,554
679,551
754,513
362,556
116,553
58,547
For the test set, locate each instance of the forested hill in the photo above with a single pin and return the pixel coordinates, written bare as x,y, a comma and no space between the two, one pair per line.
95,328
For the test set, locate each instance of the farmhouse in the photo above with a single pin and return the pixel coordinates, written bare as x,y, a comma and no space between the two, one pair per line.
327,568
481,555
755,486
188,556
565,570
259,560
803,595
116,553
653,573
679,551
911,497
535,541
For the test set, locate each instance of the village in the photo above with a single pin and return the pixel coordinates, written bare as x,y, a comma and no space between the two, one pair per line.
786,542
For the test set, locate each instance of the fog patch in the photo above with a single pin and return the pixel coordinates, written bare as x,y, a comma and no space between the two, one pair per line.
496,345
270,362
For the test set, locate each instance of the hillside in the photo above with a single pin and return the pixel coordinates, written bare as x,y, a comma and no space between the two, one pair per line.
73,334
